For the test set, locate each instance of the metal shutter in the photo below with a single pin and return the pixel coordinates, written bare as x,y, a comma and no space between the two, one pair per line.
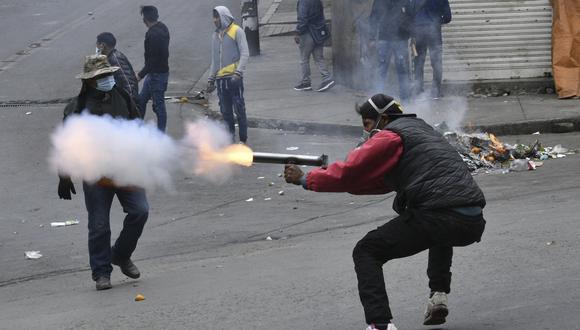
496,39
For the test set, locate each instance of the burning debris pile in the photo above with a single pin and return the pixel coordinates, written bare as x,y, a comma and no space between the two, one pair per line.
485,152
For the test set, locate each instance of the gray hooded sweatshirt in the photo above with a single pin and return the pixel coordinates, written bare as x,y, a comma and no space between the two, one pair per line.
229,47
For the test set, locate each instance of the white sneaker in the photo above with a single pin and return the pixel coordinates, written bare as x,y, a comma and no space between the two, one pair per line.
436,309
391,326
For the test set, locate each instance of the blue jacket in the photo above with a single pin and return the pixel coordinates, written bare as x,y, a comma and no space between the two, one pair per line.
432,12
310,13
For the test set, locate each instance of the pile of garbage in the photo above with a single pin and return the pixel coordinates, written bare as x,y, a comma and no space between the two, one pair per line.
484,152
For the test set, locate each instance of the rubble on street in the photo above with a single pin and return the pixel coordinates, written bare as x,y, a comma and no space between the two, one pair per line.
484,152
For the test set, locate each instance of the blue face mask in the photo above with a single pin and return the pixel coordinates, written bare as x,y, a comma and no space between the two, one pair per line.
106,84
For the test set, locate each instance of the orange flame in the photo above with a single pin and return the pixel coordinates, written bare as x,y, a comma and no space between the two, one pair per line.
496,144
239,154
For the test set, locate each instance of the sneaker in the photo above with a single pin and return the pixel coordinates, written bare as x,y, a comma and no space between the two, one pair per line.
389,326
436,309
103,283
127,267
303,87
325,85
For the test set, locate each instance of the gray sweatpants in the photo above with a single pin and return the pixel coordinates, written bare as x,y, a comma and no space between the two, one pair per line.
307,48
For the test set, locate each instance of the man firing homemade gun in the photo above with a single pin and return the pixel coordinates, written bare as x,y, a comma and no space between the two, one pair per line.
438,203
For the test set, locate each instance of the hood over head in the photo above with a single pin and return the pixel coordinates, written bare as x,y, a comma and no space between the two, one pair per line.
226,17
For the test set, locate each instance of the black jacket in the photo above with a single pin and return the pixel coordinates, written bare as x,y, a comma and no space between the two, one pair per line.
431,12
430,174
125,77
156,50
391,20
116,103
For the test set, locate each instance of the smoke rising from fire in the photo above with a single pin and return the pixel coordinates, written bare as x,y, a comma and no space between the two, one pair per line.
133,153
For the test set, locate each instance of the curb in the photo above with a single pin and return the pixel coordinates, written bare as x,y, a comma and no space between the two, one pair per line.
561,125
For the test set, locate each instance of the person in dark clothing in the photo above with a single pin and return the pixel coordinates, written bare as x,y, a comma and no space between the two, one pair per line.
156,70
99,96
310,16
125,77
429,16
390,23
439,203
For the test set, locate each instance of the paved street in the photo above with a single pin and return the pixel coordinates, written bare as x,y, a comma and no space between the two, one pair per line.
205,258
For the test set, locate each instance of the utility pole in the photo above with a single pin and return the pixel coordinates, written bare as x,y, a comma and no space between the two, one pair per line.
251,25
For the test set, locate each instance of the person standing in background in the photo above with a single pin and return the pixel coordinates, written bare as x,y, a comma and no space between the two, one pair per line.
125,77
429,16
156,70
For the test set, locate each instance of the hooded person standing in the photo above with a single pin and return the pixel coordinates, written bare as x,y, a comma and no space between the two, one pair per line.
439,204
156,69
100,96
229,57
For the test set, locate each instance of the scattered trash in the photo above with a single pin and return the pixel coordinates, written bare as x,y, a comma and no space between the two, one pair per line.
279,175
40,226
550,243
33,254
64,224
268,199
292,148
261,178
29,113
271,184
249,200
139,297
536,133
484,152
268,238
520,165
90,13
281,193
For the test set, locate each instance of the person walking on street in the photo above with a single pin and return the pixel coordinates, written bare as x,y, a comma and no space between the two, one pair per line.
429,16
125,77
229,58
439,204
390,24
311,33
99,96
156,70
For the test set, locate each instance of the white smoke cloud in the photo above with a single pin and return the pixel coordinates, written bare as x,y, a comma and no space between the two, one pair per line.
133,153
91,147
206,135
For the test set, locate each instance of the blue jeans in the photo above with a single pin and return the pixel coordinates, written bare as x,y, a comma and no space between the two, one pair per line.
154,87
98,200
231,97
400,50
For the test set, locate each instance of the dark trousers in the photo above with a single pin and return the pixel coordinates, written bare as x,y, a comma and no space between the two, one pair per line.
231,97
406,235
98,200
400,50
154,87
428,37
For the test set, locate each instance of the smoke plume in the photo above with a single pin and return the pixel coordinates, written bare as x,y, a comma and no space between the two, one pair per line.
133,153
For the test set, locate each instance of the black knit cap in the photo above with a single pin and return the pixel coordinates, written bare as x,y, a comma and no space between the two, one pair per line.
378,104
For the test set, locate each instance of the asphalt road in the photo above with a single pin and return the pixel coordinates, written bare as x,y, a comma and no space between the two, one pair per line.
204,255
44,42
206,261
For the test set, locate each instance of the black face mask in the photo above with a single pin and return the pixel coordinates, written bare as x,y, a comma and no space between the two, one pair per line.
217,23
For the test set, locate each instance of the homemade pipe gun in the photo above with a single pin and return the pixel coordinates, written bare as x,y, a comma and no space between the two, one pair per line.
273,158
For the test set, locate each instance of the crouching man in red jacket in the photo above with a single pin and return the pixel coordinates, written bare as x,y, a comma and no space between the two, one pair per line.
438,202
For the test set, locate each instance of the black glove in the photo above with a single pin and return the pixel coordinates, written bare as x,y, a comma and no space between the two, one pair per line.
65,187
210,86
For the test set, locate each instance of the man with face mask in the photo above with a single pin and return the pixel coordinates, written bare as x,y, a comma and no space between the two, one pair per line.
229,57
438,202
100,95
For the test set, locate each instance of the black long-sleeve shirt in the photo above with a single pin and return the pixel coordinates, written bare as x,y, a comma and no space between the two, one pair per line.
156,50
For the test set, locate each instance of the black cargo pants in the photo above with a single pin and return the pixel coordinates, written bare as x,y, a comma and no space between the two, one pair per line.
406,235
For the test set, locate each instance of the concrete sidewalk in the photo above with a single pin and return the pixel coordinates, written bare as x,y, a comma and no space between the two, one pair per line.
271,101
